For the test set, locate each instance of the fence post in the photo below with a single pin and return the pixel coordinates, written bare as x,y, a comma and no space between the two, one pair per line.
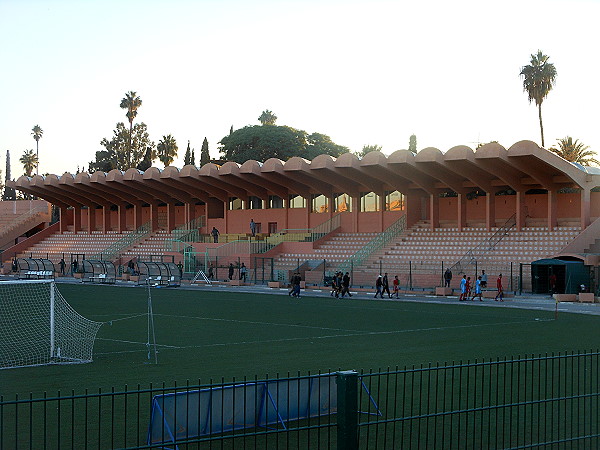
347,413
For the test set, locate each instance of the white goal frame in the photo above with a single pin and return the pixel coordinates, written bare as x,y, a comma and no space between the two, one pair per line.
27,338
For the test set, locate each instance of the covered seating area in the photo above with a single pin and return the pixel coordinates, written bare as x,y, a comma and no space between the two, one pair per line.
35,269
158,273
97,271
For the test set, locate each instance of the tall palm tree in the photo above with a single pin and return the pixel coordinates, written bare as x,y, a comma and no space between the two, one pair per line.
574,151
37,133
267,118
539,78
167,149
29,161
131,102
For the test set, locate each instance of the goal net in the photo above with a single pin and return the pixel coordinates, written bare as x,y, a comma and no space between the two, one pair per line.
38,327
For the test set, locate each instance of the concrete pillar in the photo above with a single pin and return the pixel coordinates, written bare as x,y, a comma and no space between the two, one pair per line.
77,219
170,216
122,217
585,208
461,215
154,216
412,208
137,216
434,211
520,210
490,210
355,212
91,218
552,209
381,210
106,225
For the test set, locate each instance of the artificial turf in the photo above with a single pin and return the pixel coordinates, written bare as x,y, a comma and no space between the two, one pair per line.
206,335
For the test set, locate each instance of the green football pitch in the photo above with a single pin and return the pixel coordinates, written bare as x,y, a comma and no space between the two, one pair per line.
207,335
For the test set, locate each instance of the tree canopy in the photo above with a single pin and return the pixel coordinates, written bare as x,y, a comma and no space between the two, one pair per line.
368,149
117,155
166,150
574,151
29,161
263,142
412,143
267,118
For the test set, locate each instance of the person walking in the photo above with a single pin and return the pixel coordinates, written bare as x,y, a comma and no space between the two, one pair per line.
386,286
62,264
243,272
463,289
296,285
447,277
378,285
500,294
252,227
483,279
215,234
477,290
210,272
396,284
346,285
231,270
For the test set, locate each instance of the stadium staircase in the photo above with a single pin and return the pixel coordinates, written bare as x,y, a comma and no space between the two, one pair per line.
12,226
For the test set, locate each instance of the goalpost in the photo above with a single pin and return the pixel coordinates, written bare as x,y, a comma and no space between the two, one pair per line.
39,327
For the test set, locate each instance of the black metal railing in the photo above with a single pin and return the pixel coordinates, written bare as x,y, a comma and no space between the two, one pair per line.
526,402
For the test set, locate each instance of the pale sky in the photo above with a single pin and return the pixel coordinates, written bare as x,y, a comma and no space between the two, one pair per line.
362,72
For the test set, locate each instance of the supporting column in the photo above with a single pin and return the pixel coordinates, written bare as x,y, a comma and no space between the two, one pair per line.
122,217
77,219
490,210
413,208
355,213
552,210
461,205
520,210
170,216
381,209
91,218
64,218
137,216
187,212
434,211
585,208
105,218
154,216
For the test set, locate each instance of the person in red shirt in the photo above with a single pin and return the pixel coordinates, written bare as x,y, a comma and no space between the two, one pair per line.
396,285
500,293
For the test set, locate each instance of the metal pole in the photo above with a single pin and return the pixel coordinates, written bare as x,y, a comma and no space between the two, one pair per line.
410,275
347,413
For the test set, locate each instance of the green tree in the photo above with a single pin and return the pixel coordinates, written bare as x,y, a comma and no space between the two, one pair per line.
319,144
193,160
37,134
29,161
267,118
187,159
118,154
146,162
574,151
261,143
131,102
368,149
204,153
539,78
9,193
166,150
412,143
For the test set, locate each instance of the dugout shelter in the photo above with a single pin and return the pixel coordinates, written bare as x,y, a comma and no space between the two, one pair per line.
35,268
570,275
98,271
158,273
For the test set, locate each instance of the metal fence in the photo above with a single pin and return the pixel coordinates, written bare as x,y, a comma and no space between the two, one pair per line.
529,402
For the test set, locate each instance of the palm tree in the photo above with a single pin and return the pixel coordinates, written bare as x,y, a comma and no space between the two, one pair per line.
167,149
574,151
131,102
267,118
37,133
29,161
539,78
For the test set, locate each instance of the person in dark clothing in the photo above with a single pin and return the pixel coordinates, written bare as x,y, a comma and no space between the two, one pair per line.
447,277
378,284
62,265
215,235
231,270
385,287
346,285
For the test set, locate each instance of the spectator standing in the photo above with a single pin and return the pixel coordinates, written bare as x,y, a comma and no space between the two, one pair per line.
210,272
296,285
74,266
62,264
386,286
231,270
483,279
252,227
447,277
378,285
500,294
243,272
552,281
215,234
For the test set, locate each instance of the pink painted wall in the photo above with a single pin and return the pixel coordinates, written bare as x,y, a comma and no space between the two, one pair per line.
595,205
369,222
239,220
448,208
22,206
476,209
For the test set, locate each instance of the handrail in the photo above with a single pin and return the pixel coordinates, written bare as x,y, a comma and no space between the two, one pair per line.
188,232
378,242
114,250
484,246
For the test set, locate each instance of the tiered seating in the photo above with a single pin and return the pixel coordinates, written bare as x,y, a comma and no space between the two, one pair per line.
336,249
69,242
153,245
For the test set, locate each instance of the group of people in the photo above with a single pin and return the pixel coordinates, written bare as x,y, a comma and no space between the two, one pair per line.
295,282
382,285
340,285
467,289
243,272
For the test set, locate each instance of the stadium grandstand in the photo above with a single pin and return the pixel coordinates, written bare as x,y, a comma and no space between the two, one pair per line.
411,214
